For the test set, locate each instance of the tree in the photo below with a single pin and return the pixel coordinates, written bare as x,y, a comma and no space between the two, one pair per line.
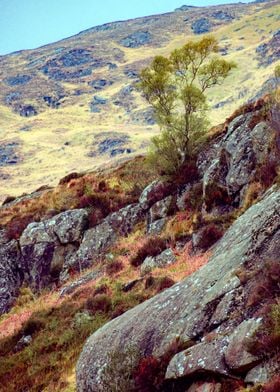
175,87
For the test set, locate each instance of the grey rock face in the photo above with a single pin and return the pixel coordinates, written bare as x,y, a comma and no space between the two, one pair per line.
10,278
45,245
165,258
263,372
157,226
97,240
203,357
154,192
231,163
160,209
237,356
185,310
137,39
202,25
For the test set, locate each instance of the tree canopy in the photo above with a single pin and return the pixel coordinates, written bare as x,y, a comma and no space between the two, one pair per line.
175,87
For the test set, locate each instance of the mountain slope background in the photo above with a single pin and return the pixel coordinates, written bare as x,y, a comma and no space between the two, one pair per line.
73,105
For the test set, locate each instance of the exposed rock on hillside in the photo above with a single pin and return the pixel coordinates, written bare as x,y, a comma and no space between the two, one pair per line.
231,164
185,311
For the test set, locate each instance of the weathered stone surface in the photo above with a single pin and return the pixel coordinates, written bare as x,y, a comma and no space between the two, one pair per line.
136,39
203,357
184,311
46,245
125,219
202,25
160,209
231,163
22,343
165,258
70,288
154,192
10,278
223,309
237,355
157,226
264,372
97,240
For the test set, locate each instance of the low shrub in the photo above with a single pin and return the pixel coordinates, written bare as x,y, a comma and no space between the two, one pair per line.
100,303
158,284
152,247
113,267
16,226
273,385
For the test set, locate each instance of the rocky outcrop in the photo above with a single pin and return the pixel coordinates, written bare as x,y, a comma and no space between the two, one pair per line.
137,39
184,312
201,26
10,277
230,165
46,246
98,239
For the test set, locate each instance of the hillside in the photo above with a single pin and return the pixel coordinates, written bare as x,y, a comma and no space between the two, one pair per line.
121,280
72,105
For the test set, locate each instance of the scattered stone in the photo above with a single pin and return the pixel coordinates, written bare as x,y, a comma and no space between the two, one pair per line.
201,26
27,111
70,288
222,15
100,84
263,372
22,343
154,192
137,39
18,80
157,226
160,209
164,259
8,153
130,285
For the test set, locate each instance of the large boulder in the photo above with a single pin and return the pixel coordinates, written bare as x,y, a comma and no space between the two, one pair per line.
46,245
10,277
184,312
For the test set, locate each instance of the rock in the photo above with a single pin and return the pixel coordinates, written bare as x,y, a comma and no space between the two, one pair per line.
222,15
70,288
125,219
203,357
97,240
160,209
154,192
47,245
137,39
164,259
237,355
18,80
27,111
223,309
22,343
130,285
263,372
205,387
201,26
184,8
10,274
75,57
120,151
100,84
238,153
52,102
157,226
9,153
96,103
145,116
184,311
